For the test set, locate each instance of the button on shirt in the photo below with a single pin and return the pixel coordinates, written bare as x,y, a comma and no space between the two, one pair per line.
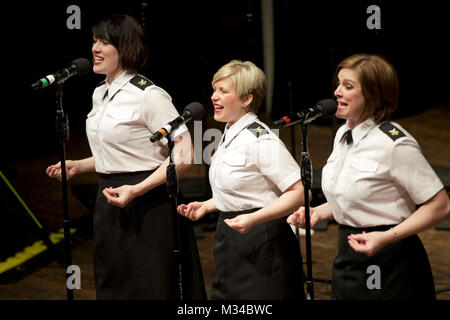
251,168
379,178
122,120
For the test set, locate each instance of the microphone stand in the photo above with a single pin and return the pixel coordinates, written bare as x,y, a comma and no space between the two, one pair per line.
294,152
62,131
172,191
306,176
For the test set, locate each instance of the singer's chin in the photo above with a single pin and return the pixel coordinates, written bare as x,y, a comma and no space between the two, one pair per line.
96,69
340,114
218,117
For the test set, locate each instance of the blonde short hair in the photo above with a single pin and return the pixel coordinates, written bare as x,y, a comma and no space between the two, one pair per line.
247,79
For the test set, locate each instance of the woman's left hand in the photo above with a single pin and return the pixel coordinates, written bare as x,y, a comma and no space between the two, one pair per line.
120,196
369,243
242,223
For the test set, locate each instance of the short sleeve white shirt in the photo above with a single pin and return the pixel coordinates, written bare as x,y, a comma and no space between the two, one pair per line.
379,178
251,167
124,116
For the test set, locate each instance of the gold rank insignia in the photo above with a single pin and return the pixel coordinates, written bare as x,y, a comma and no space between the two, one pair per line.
391,131
141,82
257,129
394,132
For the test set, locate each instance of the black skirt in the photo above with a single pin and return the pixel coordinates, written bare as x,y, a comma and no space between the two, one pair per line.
133,246
402,268
264,263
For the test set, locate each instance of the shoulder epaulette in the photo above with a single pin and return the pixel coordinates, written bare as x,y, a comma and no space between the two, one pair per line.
257,129
391,131
141,82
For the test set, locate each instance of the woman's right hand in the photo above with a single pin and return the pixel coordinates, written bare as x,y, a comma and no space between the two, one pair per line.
54,171
298,217
194,210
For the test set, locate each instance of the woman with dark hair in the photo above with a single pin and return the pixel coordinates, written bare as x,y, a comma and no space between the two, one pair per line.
133,228
373,181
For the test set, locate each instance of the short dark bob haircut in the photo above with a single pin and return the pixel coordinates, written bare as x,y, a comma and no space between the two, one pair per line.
127,36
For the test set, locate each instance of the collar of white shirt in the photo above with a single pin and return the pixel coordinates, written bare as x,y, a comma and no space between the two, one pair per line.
238,126
360,131
118,83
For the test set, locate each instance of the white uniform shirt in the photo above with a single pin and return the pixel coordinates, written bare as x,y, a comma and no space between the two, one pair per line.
251,168
379,178
125,114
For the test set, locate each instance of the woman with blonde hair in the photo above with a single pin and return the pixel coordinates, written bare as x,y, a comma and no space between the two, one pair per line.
255,183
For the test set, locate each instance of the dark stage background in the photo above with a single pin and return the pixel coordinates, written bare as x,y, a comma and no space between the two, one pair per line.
189,41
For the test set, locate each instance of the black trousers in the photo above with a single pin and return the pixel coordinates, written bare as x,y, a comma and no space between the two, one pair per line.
264,263
403,268
133,246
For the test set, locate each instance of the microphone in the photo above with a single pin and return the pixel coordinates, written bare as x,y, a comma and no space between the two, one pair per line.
80,66
323,108
193,111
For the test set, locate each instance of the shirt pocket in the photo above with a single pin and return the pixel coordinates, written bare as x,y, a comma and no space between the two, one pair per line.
117,125
332,157
329,173
91,122
92,112
231,171
363,165
121,114
360,176
234,160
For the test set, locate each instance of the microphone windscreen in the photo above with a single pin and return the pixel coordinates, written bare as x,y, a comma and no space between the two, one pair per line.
196,109
83,65
329,107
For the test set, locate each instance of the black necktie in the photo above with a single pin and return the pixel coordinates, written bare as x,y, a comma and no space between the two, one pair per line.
348,137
